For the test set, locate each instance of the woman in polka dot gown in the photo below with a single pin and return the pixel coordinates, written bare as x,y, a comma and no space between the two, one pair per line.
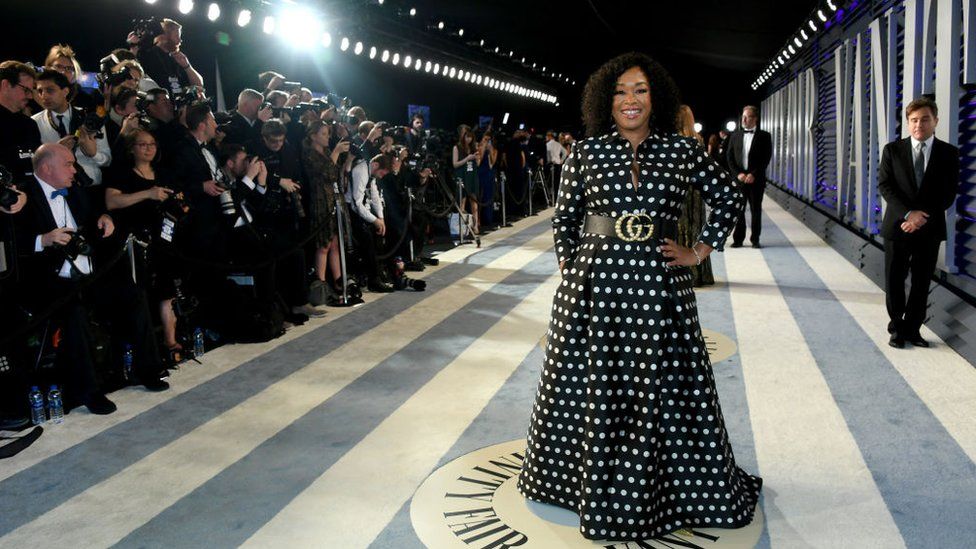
627,429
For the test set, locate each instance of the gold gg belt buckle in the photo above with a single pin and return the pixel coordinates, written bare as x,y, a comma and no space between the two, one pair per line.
634,227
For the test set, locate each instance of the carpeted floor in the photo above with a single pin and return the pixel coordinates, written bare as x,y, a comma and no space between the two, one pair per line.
320,438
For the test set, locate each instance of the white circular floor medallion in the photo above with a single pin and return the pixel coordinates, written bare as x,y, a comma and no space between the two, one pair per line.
472,503
719,345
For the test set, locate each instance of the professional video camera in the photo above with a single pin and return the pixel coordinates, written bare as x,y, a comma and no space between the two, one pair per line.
403,282
117,78
145,30
185,96
8,193
295,112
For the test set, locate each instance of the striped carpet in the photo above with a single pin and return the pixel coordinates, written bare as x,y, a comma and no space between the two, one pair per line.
320,438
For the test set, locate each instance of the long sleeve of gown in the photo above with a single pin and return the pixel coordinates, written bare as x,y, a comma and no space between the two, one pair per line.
567,220
720,192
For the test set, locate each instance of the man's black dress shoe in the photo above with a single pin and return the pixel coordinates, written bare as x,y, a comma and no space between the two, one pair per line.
896,341
735,245
100,405
756,245
155,384
295,319
917,341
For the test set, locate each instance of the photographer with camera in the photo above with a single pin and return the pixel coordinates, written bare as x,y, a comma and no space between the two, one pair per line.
283,217
368,225
18,140
465,157
59,122
321,174
138,193
156,114
53,234
246,120
62,58
415,136
369,137
163,61
122,105
20,136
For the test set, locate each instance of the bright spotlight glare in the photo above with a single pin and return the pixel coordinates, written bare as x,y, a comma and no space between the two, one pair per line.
213,11
386,56
372,52
407,61
413,11
698,127
150,1
344,44
417,64
440,25
505,119
396,59
460,32
185,6
428,66
358,49
730,125
326,40
453,72
821,16
301,26
437,68
243,18
269,25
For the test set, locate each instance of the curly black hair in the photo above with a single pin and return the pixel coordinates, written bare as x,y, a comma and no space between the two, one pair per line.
598,94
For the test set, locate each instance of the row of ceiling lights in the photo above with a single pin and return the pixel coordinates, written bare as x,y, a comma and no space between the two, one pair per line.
815,24
458,31
306,29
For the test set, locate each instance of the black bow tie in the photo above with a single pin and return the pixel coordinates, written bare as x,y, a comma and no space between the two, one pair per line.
748,131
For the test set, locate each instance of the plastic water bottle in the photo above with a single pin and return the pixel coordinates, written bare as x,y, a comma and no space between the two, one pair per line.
127,362
198,348
54,405
36,399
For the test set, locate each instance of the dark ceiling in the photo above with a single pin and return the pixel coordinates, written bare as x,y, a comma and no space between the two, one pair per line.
713,48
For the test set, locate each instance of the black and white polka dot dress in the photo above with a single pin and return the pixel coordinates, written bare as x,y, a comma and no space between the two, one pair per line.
627,429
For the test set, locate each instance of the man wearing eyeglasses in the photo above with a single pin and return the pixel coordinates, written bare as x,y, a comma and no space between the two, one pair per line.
20,137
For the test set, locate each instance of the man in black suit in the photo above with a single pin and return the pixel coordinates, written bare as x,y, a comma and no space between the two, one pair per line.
919,179
54,214
246,120
749,152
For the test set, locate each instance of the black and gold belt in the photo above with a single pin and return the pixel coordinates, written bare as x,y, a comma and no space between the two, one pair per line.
631,227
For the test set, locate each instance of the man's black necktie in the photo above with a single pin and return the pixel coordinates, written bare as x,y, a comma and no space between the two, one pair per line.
748,131
920,164
62,131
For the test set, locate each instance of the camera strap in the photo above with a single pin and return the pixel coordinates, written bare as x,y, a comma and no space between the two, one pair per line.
20,443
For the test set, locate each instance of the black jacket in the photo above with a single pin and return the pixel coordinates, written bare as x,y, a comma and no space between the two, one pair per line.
239,132
935,194
760,153
39,270
204,230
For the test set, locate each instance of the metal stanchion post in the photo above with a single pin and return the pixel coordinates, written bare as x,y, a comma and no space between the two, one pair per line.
340,223
501,179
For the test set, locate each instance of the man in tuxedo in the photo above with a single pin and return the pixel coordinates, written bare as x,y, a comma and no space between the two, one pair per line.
749,152
918,178
55,214
59,122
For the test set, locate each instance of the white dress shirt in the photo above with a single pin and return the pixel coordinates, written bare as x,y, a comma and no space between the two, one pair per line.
91,164
63,218
356,195
555,152
747,146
